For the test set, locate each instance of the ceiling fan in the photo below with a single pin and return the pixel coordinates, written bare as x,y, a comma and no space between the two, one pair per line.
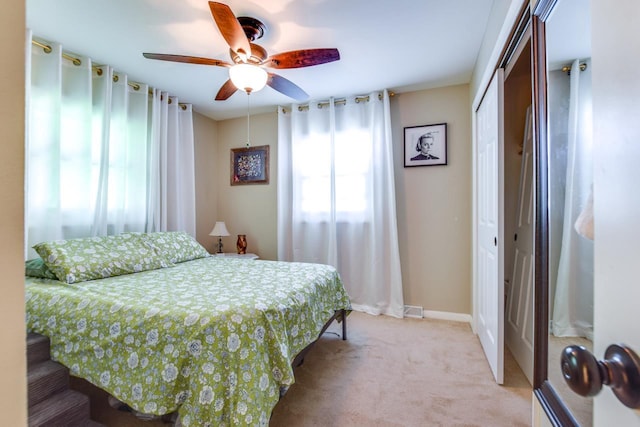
247,71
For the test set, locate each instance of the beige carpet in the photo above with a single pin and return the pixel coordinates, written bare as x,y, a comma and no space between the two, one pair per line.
390,372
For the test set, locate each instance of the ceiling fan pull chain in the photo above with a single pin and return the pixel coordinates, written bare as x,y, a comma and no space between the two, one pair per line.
248,121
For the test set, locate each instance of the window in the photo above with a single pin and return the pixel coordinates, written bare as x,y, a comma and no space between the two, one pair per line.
344,165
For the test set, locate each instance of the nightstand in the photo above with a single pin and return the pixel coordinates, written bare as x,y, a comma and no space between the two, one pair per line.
242,256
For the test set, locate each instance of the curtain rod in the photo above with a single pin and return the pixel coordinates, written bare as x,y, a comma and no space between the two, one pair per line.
77,62
47,49
342,101
567,68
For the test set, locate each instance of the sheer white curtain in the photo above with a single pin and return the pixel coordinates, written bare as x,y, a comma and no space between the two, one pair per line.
336,197
171,197
120,139
89,152
573,300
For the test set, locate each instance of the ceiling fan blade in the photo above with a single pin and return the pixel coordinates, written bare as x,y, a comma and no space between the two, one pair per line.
187,59
302,58
231,29
226,91
286,87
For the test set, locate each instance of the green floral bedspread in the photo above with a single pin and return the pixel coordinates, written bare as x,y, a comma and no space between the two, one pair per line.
213,338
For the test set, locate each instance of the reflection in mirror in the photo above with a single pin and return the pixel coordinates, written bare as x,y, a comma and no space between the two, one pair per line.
570,191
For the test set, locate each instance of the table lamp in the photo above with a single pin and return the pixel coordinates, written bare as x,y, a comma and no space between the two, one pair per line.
219,230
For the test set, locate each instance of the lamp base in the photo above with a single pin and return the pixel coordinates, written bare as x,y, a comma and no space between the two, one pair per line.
219,245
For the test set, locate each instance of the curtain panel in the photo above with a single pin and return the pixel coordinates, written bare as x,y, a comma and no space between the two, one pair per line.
94,153
171,197
573,302
336,197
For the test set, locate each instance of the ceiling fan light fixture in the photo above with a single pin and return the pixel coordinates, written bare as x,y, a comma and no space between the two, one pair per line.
249,73
247,77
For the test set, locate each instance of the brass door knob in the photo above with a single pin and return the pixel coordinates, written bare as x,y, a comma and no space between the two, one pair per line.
620,370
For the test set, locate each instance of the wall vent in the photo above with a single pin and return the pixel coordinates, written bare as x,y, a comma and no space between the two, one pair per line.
413,311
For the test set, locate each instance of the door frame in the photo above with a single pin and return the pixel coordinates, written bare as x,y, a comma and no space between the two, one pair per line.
553,406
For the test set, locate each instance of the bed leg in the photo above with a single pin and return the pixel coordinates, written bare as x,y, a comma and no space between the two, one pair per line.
344,325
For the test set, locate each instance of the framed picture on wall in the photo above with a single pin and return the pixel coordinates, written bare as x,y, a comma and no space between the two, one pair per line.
425,145
250,165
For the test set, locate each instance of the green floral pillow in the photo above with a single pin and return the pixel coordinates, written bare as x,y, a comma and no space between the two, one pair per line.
177,246
37,268
77,260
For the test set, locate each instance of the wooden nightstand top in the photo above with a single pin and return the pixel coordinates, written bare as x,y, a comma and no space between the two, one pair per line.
235,255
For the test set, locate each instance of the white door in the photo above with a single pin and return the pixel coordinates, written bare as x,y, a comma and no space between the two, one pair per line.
489,286
519,312
616,125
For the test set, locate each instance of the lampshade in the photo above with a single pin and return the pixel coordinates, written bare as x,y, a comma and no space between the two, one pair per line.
247,77
219,229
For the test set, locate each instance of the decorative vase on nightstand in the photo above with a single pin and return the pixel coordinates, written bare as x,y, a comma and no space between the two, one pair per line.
241,244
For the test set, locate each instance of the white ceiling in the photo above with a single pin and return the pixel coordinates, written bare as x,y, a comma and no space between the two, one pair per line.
401,45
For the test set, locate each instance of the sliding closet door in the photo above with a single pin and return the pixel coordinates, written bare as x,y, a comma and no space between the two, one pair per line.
489,286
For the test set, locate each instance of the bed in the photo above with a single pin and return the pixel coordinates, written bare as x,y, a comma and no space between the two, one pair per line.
162,326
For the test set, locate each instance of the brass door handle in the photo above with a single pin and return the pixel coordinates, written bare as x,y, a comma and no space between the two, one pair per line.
620,370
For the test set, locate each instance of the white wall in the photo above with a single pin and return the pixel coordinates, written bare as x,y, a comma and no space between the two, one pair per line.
205,133
249,209
616,134
434,203
13,394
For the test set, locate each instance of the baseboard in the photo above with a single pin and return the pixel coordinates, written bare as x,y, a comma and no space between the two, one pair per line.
417,312
445,315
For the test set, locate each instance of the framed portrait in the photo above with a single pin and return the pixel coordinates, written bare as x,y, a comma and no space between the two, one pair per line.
425,145
250,165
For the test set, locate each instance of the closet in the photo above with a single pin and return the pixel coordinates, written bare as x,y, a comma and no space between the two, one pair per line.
526,74
504,213
518,208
